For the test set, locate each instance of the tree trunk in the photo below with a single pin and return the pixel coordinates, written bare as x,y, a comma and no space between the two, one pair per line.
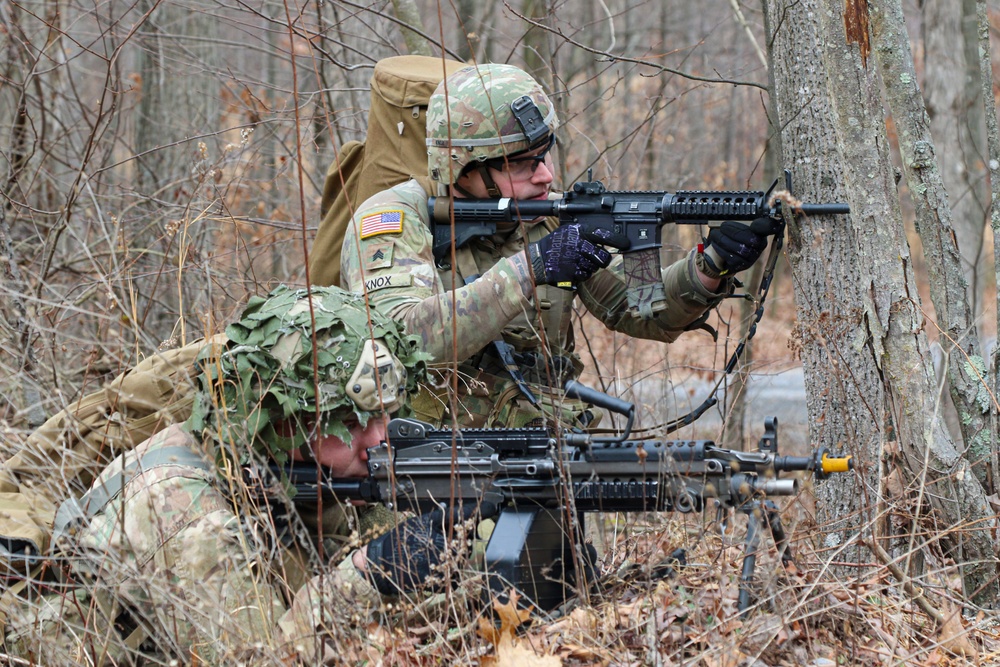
954,124
466,38
536,51
865,353
993,143
892,324
408,13
843,392
966,370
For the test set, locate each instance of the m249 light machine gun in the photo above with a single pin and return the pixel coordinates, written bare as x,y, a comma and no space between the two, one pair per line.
544,482
637,215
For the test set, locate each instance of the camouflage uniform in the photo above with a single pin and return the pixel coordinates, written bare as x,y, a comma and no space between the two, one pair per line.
171,569
399,274
387,253
168,556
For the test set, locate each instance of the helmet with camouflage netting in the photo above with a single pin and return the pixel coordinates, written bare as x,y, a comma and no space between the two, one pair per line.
264,395
489,112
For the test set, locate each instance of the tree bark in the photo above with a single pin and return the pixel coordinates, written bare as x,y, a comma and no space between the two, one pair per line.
844,396
408,13
868,373
993,144
467,38
536,50
892,324
966,370
955,120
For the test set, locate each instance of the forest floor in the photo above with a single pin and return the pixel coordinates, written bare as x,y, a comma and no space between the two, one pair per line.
802,615
807,613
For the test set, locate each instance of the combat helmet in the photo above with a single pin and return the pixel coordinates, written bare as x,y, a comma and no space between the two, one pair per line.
264,395
490,112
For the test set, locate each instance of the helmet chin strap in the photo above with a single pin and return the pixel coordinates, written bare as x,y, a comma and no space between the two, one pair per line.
492,189
462,191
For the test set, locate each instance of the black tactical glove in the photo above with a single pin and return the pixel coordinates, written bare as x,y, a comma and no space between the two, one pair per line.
733,247
403,559
571,254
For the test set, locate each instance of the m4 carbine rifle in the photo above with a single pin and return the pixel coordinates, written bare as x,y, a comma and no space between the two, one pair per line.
639,216
543,482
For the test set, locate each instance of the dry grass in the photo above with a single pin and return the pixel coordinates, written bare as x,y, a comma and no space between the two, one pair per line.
802,616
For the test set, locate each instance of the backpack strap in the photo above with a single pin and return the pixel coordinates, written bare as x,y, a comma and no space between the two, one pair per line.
75,511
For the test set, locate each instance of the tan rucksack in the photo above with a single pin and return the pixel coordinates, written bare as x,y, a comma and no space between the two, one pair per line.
393,152
64,455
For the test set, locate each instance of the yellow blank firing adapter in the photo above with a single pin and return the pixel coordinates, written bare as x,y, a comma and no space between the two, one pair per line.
837,464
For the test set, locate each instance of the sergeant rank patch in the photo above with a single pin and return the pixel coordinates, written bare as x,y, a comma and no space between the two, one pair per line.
378,255
383,222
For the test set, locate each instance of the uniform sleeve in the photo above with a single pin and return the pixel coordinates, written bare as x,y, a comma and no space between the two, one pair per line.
343,598
394,263
687,300
323,607
166,555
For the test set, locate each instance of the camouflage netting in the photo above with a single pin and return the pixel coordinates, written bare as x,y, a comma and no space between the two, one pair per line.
263,388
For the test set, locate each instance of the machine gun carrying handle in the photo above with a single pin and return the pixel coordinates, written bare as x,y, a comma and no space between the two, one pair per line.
586,394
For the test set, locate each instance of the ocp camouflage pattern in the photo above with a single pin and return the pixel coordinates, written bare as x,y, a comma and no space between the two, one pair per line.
469,117
170,569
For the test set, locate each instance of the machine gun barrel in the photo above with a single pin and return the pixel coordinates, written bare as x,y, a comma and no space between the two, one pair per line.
310,483
533,474
774,487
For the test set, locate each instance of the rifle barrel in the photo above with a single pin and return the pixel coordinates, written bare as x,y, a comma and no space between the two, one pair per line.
825,209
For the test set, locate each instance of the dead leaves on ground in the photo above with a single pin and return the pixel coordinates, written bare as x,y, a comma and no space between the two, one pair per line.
511,650
692,620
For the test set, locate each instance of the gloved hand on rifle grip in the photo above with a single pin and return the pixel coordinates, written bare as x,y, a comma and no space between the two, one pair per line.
403,559
733,246
571,254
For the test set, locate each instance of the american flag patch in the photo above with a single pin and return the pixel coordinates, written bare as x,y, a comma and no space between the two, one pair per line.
386,222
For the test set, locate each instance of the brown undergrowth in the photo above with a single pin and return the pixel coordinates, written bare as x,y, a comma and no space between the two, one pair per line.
801,615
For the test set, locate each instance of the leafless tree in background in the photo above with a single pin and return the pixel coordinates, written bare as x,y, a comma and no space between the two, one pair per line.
954,105
161,161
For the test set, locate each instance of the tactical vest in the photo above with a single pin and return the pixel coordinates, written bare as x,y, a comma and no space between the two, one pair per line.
489,395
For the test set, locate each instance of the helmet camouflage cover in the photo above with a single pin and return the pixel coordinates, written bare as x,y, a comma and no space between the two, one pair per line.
475,121
263,388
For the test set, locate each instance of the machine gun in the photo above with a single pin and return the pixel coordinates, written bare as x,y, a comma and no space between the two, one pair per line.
639,216
544,482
